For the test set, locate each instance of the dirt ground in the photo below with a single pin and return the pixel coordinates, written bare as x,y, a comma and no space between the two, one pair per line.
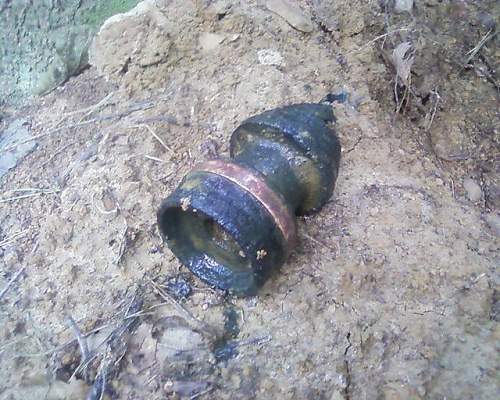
392,292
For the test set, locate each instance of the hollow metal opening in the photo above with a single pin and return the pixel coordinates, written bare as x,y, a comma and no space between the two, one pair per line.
202,244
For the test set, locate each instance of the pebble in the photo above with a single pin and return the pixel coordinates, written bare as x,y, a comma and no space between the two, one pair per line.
269,57
210,41
473,189
403,6
291,14
493,221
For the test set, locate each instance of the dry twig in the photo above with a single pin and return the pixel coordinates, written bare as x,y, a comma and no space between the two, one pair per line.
53,155
320,242
82,341
199,325
155,159
437,98
11,281
87,110
472,53
130,110
36,192
155,135
383,36
13,237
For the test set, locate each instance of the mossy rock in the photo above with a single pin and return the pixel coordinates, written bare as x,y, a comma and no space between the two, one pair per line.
43,45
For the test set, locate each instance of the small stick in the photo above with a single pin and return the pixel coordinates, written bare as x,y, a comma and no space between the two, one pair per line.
56,153
89,110
434,108
95,107
196,395
24,196
12,280
15,236
123,246
33,190
139,107
155,159
82,342
202,326
155,136
378,38
257,341
320,242
13,146
60,347
472,53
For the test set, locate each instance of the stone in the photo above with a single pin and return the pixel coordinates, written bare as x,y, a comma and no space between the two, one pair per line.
336,395
291,14
270,57
450,141
493,221
43,43
10,151
401,6
473,190
210,41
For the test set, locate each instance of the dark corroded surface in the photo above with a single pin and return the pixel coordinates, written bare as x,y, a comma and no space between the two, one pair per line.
257,186
231,222
221,232
307,130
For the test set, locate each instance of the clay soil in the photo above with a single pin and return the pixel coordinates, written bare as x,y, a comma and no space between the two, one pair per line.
392,292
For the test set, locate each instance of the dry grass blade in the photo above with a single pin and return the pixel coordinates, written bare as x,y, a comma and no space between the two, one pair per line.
155,135
402,57
379,37
102,118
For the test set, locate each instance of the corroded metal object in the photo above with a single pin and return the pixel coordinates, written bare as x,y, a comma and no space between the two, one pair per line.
232,222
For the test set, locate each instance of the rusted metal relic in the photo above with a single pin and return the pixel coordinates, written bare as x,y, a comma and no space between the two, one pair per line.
232,222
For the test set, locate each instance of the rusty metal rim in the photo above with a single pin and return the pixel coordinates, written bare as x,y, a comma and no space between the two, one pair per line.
258,188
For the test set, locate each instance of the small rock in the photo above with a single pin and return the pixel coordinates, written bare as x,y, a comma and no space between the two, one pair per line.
473,189
487,20
450,141
89,152
179,286
185,388
269,57
493,221
10,258
210,41
492,193
337,396
14,145
291,14
401,6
